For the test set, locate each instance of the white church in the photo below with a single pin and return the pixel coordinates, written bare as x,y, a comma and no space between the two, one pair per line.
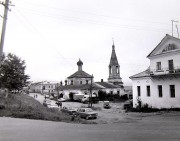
159,85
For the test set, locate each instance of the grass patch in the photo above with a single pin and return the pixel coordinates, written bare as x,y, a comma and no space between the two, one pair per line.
23,106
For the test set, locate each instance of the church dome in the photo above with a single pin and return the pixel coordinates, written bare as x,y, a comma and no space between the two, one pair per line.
79,63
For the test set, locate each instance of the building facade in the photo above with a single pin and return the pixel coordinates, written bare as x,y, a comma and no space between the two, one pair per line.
159,85
44,87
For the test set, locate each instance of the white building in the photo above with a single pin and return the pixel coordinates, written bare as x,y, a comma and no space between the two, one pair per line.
159,85
44,87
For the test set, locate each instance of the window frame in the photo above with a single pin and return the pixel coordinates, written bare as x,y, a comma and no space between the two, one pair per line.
160,91
172,91
158,66
148,90
139,90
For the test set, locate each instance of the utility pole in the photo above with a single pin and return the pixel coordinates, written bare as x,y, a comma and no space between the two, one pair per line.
177,31
173,21
6,8
90,97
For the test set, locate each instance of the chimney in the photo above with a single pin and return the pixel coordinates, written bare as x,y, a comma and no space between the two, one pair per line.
65,82
101,80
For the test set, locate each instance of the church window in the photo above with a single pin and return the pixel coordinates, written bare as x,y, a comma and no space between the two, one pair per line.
117,70
110,70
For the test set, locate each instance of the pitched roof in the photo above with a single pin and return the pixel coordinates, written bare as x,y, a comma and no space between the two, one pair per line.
159,45
80,74
113,60
80,87
107,85
145,73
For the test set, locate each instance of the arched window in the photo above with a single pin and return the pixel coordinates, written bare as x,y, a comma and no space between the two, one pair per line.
117,69
110,69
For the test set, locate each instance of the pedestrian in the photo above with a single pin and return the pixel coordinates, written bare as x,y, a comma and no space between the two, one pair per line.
60,104
34,96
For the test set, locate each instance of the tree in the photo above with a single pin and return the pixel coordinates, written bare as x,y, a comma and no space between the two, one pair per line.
12,73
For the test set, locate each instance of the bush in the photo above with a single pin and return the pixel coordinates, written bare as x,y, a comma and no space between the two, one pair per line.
2,106
71,96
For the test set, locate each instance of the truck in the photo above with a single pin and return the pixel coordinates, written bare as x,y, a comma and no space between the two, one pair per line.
88,98
78,97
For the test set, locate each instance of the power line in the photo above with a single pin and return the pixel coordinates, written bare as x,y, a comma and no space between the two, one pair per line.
103,23
42,36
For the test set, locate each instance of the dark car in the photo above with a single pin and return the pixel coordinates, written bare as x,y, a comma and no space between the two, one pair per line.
87,113
106,105
127,105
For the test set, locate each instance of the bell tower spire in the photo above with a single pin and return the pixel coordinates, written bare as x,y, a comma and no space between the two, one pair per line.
114,68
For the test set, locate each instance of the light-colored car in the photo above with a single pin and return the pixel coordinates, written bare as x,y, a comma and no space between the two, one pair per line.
87,113
62,100
69,110
46,96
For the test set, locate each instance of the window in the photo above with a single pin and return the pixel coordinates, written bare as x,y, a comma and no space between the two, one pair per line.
172,90
80,82
118,92
158,66
110,69
139,90
117,70
171,65
148,91
160,90
71,82
86,81
111,92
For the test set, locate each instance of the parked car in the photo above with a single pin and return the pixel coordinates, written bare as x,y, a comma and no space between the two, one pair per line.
51,97
62,100
106,105
47,96
87,113
127,105
46,102
69,110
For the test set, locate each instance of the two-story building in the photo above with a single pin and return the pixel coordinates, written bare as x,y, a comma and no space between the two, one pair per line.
159,85
44,87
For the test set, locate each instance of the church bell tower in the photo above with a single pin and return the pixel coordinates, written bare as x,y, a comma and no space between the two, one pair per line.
114,69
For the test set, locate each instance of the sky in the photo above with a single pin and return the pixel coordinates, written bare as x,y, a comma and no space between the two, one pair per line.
52,35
